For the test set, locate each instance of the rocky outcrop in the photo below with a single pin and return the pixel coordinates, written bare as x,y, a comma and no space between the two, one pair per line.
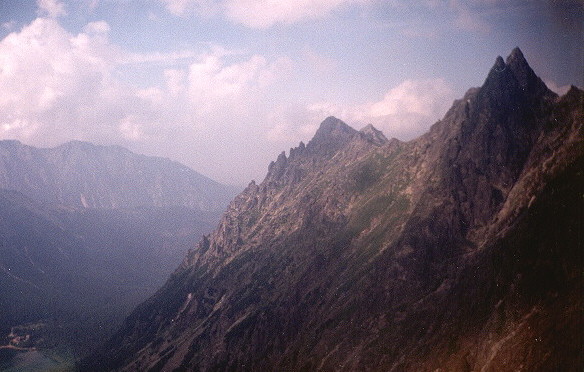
456,251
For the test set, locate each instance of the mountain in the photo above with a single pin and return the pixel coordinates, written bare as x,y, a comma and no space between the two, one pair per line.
34,248
76,273
457,251
86,233
81,174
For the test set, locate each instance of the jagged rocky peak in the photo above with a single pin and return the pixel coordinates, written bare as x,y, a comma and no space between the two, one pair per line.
499,64
277,168
574,92
516,58
513,77
354,257
332,127
330,136
528,80
499,76
373,135
516,61
521,69
297,150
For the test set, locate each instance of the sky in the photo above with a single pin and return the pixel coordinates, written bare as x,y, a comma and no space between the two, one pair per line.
224,86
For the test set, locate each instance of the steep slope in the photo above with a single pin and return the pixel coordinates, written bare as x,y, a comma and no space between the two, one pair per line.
458,251
35,252
79,272
81,174
86,233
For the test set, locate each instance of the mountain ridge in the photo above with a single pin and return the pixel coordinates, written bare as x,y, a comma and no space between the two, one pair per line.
81,174
359,255
86,233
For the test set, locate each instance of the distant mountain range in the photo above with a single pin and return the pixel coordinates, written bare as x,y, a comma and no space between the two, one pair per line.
87,232
458,251
80,174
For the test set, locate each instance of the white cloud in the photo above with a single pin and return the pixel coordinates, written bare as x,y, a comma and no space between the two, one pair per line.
51,8
98,27
213,84
51,78
405,112
131,128
177,7
58,86
292,123
158,57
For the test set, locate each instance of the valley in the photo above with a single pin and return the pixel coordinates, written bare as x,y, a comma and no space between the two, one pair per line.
70,271
291,186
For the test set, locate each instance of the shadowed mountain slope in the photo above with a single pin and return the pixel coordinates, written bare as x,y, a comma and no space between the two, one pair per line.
458,251
87,232
79,272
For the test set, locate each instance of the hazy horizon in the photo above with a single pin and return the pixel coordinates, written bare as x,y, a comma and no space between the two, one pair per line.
223,86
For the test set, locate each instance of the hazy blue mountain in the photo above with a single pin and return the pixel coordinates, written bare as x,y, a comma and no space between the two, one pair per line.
81,174
87,232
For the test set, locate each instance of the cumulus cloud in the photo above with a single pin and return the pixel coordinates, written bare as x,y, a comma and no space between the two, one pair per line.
405,111
212,84
48,75
98,27
58,86
51,8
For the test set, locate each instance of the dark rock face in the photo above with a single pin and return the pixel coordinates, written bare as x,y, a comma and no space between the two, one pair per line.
457,251
80,174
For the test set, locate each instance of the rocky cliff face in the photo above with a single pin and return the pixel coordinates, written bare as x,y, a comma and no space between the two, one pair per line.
81,174
456,251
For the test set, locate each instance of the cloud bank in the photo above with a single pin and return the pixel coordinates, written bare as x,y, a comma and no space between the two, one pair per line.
59,86
203,107
404,112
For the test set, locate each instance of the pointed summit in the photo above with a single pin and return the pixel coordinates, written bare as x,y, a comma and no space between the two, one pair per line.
330,136
514,76
498,71
335,127
516,58
499,65
373,135
523,73
526,77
